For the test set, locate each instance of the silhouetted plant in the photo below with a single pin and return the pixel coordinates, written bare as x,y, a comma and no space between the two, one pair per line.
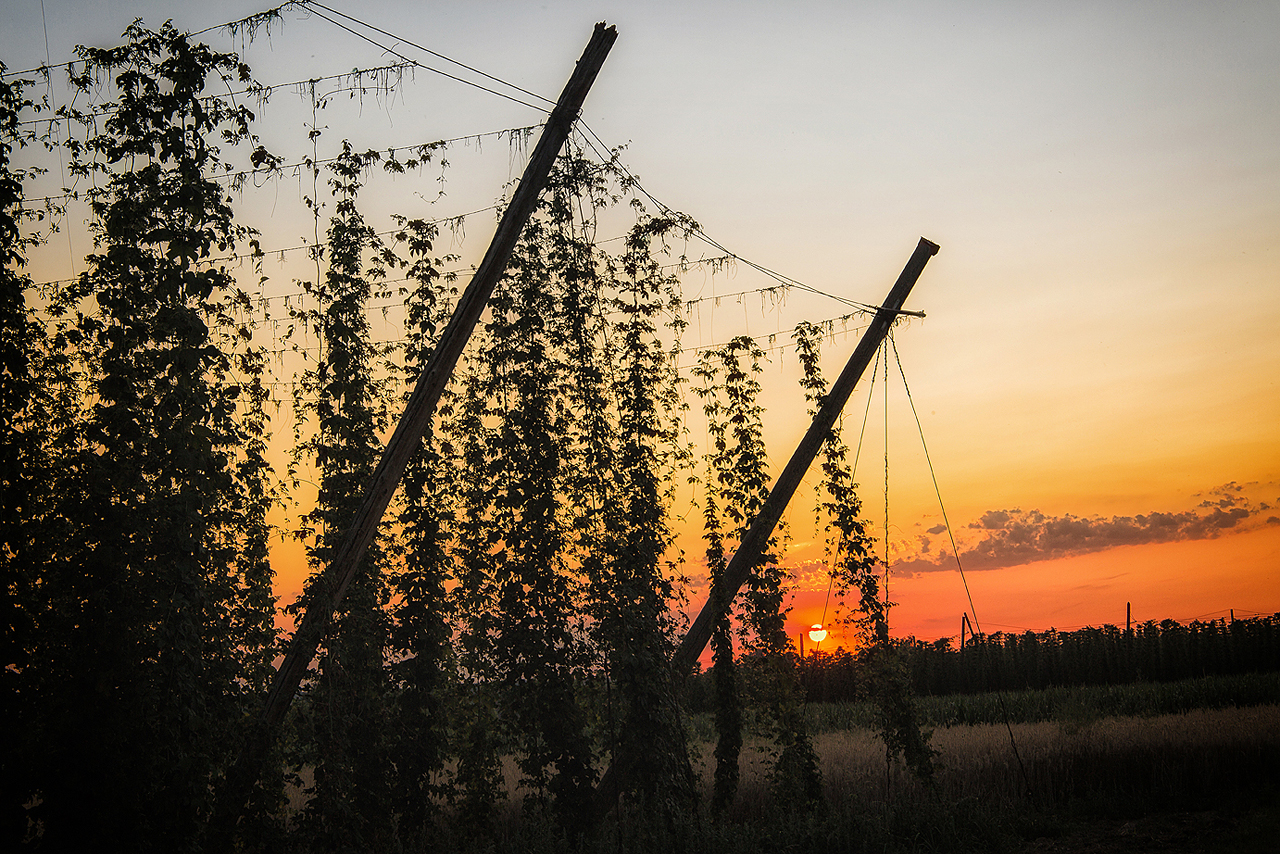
634,587
727,703
25,424
157,609
852,568
346,739
419,644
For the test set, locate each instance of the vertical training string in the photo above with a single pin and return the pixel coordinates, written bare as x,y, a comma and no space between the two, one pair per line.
853,472
884,393
53,100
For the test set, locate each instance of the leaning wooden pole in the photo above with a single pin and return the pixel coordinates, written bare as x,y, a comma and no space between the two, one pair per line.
757,536
417,415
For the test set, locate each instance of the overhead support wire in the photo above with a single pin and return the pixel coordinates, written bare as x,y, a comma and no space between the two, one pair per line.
588,134
275,170
253,20
260,91
550,103
313,7
320,9
727,253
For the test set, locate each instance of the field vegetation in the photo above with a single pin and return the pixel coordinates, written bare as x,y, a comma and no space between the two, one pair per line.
1150,652
1185,766
1064,704
1162,774
1200,780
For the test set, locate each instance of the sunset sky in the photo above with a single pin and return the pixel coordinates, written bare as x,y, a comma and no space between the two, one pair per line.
1096,377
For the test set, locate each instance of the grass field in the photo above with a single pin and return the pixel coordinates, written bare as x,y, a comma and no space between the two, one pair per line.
1079,780
1074,704
1104,768
1171,760
1199,780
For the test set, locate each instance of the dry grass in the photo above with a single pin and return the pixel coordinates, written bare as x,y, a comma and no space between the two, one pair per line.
1099,767
1183,756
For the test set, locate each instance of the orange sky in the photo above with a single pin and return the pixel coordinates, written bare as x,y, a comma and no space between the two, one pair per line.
1184,581
1103,180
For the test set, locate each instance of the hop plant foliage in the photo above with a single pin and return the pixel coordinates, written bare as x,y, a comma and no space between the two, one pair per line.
154,609
519,604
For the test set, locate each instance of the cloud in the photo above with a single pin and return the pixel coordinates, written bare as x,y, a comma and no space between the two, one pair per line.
809,575
1004,538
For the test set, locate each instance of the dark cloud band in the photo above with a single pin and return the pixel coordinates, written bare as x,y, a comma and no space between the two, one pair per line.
1004,538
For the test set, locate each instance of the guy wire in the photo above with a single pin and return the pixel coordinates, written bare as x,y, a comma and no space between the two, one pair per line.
1004,711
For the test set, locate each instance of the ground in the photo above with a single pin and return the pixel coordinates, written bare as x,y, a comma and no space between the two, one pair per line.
1247,831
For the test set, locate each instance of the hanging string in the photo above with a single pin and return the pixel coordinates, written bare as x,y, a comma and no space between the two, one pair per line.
1004,711
866,416
884,393
62,169
831,576
853,471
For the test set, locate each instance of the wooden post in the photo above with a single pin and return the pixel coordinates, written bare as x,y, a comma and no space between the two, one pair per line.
431,384
964,618
414,421
802,646
1128,617
754,541
757,536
